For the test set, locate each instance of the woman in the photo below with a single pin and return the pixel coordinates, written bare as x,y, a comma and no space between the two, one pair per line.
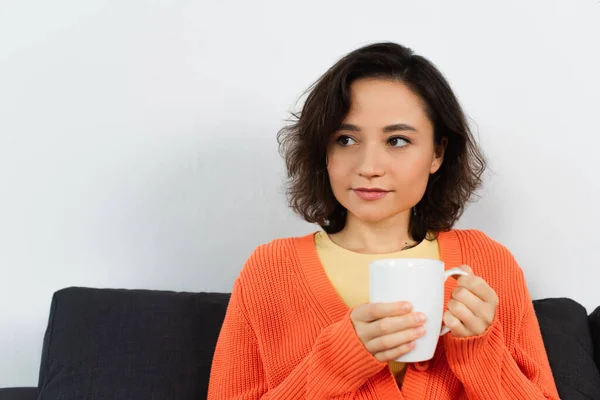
381,157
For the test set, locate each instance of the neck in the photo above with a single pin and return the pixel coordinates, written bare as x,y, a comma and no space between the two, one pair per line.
382,237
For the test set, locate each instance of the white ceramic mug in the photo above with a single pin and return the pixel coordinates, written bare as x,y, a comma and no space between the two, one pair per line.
420,282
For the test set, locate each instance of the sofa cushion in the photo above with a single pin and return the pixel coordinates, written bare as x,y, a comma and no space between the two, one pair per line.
566,334
595,328
129,344
19,393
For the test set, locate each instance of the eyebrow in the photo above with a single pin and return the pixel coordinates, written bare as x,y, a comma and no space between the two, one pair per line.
387,129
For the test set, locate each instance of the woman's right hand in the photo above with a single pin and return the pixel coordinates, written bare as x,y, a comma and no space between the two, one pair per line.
387,330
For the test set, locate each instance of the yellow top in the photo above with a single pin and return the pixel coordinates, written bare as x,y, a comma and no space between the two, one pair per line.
348,272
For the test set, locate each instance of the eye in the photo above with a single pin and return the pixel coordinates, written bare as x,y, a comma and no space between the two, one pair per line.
345,141
398,141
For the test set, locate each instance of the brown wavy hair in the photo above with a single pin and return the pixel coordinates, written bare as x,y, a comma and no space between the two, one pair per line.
303,142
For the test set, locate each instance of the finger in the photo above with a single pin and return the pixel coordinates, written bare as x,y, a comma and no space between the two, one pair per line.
373,311
473,303
386,326
390,355
394,340
465,268
456,327
479,288
473,324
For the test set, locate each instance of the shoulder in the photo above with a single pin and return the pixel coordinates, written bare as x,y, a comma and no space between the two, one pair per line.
270,278
478,245
474,238
488,258
274,251
270,260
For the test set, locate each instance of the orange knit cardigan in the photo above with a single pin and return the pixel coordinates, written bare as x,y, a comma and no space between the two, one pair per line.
288,335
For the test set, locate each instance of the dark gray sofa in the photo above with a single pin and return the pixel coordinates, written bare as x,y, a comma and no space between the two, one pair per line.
143,344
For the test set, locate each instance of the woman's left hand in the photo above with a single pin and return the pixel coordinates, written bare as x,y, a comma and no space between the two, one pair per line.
472,308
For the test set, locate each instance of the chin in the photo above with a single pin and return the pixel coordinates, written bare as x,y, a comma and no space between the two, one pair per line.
374,217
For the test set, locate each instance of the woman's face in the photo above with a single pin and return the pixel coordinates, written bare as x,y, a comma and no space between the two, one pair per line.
380,159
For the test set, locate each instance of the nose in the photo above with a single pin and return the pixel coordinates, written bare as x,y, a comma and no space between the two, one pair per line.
371,162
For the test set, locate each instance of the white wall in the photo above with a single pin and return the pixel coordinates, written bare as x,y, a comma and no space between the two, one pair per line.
137,138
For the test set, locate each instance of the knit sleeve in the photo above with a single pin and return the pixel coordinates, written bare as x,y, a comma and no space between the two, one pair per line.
337,365
505,366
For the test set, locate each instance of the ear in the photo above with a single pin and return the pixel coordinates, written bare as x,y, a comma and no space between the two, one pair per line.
438,155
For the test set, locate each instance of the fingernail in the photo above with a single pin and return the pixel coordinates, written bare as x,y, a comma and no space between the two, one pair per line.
420,317
406,306
420,331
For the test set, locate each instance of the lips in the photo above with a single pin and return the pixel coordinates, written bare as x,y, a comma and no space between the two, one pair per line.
370,194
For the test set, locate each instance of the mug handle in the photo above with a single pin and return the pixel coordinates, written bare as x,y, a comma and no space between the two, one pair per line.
448,274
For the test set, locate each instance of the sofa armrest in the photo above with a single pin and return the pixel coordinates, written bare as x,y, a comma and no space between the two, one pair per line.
21,393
